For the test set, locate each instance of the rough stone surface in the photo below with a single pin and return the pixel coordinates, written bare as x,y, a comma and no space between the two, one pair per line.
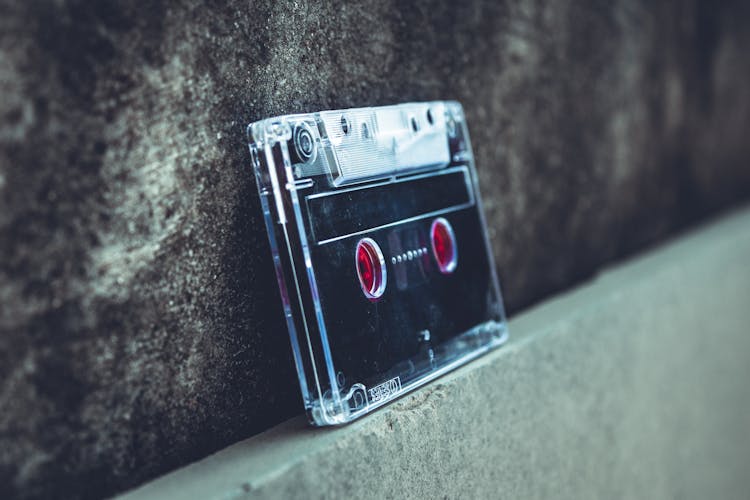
139,321
633,386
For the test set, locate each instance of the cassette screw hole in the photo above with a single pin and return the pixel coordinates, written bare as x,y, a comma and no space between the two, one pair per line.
429,117
358,400
414,124
344,125
304,144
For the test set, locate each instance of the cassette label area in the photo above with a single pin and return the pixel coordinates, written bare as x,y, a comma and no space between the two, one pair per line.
375,224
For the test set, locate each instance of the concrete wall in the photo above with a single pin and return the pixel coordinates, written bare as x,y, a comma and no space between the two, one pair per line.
635,385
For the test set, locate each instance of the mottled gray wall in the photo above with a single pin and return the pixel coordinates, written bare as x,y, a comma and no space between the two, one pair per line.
139,321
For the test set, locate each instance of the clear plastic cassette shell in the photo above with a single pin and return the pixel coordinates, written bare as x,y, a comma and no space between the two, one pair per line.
380,248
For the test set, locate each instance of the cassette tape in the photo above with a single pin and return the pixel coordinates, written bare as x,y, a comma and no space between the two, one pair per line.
380,247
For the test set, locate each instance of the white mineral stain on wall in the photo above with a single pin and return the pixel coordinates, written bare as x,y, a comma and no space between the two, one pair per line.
153,204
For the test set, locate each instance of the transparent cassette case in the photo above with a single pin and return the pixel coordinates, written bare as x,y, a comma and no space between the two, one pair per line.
380,248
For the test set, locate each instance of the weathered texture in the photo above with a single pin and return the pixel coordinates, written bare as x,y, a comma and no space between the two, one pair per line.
630,387
139,321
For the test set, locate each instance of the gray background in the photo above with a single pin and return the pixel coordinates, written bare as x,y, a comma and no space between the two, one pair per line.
140,325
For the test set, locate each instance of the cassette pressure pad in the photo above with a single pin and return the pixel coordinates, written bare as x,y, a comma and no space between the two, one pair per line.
380,249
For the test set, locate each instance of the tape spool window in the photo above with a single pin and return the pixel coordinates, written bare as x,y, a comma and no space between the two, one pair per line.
371,268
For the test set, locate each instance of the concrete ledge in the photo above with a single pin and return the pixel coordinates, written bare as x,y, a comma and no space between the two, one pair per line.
636,385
